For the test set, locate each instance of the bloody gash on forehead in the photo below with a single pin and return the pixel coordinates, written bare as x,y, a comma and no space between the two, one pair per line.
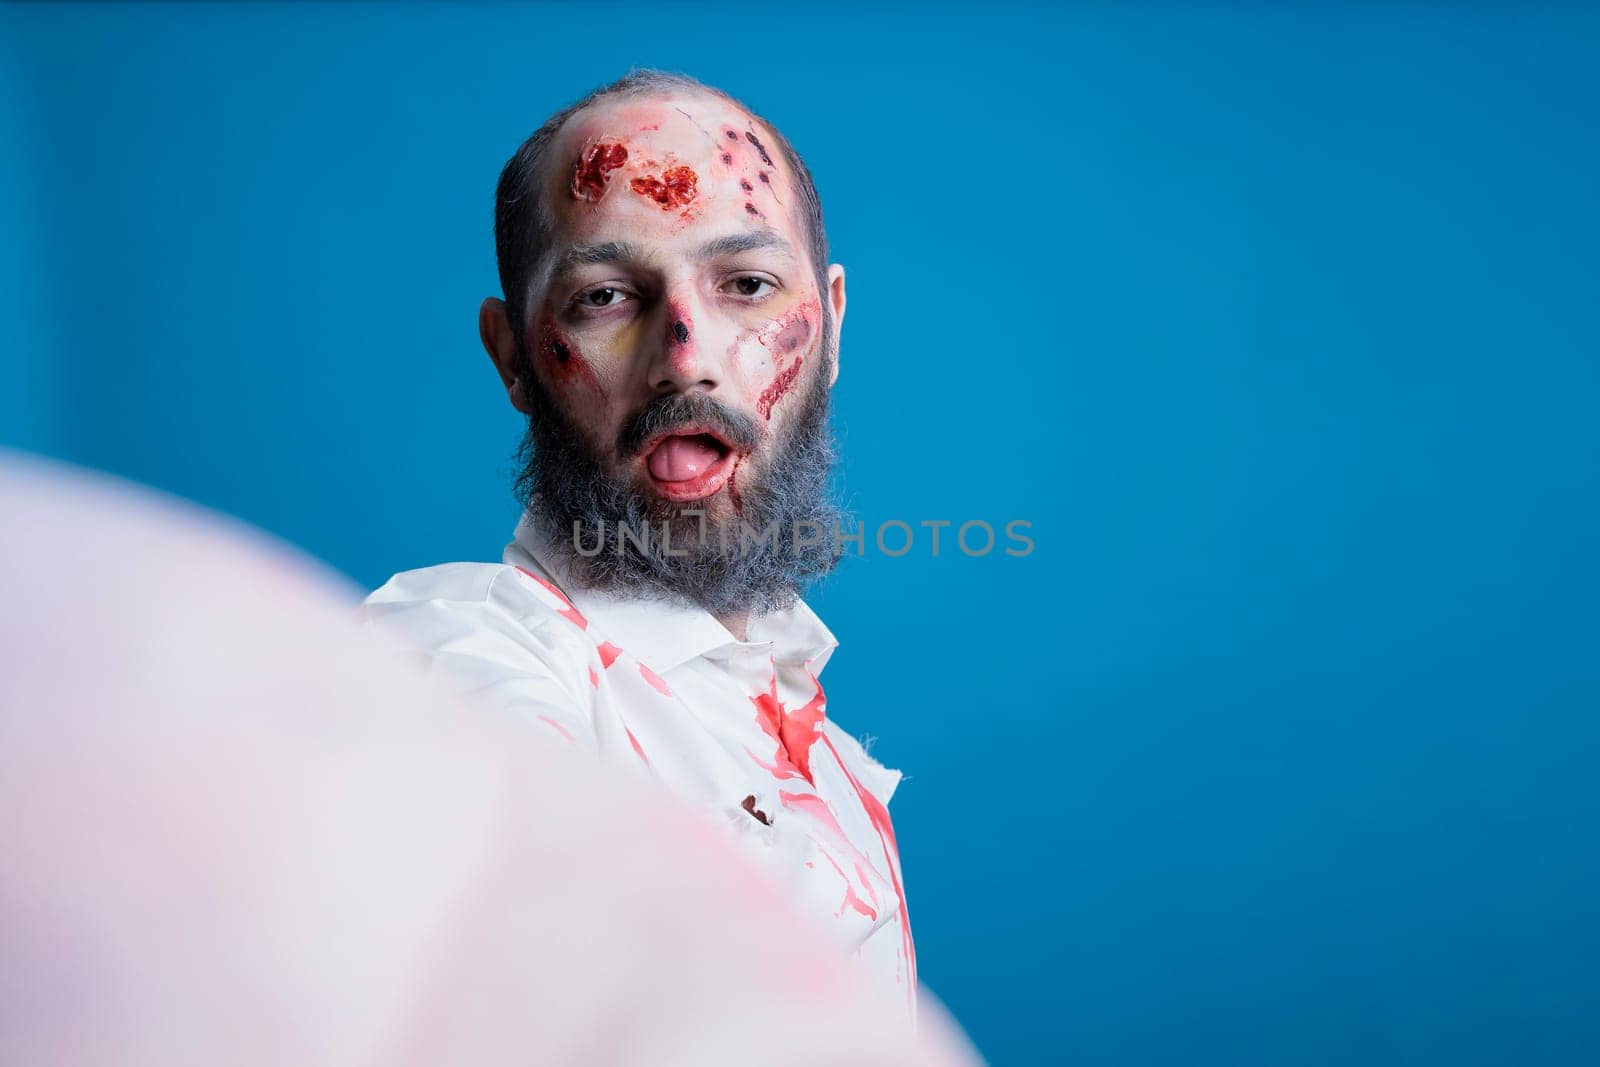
609,531
674,187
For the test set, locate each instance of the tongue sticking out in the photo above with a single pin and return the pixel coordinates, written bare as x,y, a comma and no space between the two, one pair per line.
678,458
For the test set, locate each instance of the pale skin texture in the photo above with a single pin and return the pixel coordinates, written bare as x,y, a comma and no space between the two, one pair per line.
752,315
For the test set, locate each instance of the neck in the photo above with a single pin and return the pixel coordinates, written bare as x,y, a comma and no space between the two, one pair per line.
735,623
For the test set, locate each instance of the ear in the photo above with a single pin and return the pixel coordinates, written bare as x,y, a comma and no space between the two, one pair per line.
494,330
835,298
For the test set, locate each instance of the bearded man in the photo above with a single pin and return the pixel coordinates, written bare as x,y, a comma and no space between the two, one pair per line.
670,326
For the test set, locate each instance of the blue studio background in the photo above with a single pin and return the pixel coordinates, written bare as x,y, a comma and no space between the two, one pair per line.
1279,327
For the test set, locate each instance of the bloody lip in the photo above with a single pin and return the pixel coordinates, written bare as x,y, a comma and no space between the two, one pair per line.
706,483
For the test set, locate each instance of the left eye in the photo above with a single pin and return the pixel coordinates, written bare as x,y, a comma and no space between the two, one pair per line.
749,285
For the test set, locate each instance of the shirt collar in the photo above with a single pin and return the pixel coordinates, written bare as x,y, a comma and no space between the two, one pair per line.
667,632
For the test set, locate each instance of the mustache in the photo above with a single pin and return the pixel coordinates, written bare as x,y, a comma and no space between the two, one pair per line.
681,411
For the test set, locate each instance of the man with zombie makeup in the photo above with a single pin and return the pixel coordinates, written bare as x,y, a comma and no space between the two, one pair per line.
670,326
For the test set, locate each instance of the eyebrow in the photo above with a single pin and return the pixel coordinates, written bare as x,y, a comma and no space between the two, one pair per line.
590,255
744,241
629,252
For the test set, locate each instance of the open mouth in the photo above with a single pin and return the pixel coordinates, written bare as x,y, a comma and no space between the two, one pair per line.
688,464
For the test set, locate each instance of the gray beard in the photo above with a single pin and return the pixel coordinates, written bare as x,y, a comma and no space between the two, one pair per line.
596,522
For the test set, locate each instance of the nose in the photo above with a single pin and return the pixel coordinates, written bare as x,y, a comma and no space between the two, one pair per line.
680,362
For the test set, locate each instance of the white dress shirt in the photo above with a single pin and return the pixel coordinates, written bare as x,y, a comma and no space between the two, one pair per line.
661,688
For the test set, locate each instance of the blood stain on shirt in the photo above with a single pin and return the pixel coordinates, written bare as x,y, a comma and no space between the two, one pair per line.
818,809
562,730
879,816
634,741
656,681
851,899
794,731
567,611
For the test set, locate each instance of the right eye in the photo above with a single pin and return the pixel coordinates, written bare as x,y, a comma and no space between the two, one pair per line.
600,297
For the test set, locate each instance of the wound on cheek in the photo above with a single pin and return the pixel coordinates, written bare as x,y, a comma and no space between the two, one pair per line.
733,487
790,331
675,188
780,385
565,366
793,337
590,173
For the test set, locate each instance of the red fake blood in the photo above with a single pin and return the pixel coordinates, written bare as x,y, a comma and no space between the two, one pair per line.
769,716
589,175
562,730
656,681
785,335
880,822
674,189
678,338
794,731
634,741
608,653
567,611
562,359
851,900
780,385
733,489
594,679
818,809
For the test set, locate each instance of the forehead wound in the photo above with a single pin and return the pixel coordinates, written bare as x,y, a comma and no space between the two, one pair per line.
625,156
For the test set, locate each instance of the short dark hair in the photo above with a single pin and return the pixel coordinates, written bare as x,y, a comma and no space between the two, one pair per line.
522,223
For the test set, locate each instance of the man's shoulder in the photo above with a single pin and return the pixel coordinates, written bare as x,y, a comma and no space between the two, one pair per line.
498,632
491,593
462,582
